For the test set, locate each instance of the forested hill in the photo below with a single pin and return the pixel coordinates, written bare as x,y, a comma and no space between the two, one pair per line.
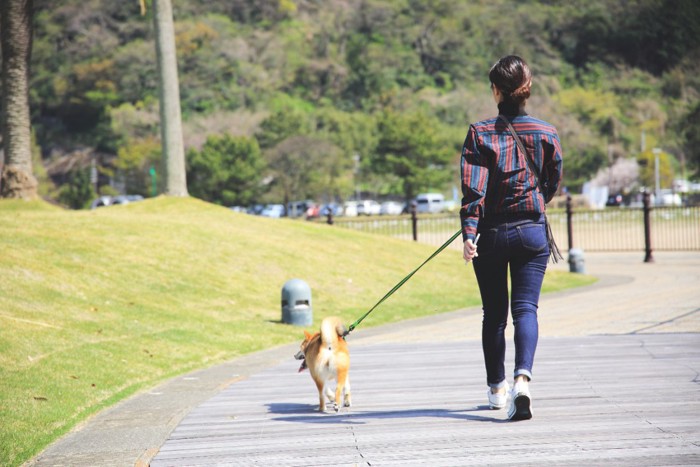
315,99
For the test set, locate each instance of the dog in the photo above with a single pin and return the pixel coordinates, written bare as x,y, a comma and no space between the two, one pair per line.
327,357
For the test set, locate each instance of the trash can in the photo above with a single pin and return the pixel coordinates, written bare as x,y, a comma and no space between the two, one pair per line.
296,303
576,261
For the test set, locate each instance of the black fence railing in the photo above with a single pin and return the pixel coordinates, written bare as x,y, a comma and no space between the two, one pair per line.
612,229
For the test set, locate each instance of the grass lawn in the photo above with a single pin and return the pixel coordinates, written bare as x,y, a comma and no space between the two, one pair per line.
97,305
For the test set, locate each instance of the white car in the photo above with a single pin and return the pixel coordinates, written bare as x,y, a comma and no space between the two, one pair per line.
350,208
430,202
273,210
391,208
368,207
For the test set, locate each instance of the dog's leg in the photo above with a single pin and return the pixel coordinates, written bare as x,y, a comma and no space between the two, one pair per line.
342,387
321,399
347,401
330,395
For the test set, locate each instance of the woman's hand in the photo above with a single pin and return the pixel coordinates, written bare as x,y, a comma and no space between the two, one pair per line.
469,251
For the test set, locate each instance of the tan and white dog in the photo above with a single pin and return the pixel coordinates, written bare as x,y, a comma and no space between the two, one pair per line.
326,355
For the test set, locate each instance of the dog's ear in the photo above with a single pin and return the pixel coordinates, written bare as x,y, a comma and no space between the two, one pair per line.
307,334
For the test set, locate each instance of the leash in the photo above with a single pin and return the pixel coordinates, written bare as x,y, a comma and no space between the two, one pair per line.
402,282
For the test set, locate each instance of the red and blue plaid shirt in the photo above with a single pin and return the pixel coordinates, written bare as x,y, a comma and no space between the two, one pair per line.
496,177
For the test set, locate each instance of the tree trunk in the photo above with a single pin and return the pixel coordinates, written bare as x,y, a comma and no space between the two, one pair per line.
17,180
170,119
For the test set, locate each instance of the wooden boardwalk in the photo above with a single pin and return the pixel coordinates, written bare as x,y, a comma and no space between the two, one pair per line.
597,400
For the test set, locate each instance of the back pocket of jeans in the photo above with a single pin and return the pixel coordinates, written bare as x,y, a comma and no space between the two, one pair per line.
533,236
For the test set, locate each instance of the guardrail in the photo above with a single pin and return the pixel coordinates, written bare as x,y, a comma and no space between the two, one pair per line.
612,229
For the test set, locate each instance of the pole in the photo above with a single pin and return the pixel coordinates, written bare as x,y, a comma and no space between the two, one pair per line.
648,258
569,225
414,221
154,183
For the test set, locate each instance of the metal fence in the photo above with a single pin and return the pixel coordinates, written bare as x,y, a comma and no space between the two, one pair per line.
612,229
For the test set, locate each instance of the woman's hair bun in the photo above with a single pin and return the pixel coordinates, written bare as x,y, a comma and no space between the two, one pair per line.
512,76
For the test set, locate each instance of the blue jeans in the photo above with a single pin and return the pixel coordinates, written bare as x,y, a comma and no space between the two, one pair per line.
521,243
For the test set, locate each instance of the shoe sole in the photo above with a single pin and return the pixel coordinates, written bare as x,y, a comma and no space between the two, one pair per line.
522,408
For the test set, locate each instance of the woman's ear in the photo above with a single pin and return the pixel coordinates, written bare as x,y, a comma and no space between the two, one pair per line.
497,95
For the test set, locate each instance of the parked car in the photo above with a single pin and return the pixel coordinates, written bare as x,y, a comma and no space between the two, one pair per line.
101,201
368,207
299,208
273,210
114,200
334,209
614,200
313,211
391,208
256,209
430,202
126,199
350,208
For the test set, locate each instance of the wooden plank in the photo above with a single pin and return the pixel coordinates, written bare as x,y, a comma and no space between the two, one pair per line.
623,400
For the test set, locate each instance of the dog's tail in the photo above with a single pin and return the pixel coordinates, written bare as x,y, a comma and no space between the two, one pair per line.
331,330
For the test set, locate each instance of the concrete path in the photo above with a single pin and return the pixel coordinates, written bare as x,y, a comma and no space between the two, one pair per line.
638,327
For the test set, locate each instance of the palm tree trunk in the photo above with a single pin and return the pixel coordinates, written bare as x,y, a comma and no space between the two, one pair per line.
170,118
17,180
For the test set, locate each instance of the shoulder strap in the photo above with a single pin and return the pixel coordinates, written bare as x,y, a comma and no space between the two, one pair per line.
521,146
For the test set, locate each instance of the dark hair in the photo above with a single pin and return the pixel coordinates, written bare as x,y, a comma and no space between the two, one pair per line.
512,76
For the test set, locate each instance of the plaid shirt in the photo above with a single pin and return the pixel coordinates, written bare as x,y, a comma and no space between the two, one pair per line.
496,178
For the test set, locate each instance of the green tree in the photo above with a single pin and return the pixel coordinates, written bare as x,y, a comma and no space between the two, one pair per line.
647,170
411,147
691,138
78,193
306,167
282,124
134,163
227,170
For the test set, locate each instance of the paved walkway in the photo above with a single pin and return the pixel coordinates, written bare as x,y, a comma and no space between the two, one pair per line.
616,382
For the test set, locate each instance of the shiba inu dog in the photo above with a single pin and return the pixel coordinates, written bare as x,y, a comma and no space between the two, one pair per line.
326,355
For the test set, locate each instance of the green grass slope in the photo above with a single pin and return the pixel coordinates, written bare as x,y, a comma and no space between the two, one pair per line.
96,305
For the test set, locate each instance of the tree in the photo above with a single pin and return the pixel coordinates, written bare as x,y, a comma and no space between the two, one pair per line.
647,169
170,118
16,30
304,167
410,147
284,123
691,139
227,171
78,192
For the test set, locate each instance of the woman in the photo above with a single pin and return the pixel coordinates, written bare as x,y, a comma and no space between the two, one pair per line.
504,203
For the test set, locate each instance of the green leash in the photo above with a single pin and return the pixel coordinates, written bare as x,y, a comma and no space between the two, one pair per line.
402,282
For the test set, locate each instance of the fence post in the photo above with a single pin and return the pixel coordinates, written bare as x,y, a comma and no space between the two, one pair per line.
414,221
647,228
569,225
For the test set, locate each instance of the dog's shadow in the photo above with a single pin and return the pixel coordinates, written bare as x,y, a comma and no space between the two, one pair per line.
308,413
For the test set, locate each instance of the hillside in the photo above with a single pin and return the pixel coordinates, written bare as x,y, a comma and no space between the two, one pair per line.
365,95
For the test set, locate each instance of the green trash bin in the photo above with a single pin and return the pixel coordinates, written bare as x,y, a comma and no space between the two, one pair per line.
296,303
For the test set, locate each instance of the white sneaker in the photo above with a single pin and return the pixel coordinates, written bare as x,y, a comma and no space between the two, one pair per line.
499,400
521,403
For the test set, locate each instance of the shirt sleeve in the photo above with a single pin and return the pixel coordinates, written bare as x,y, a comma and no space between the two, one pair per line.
553,164
474,174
